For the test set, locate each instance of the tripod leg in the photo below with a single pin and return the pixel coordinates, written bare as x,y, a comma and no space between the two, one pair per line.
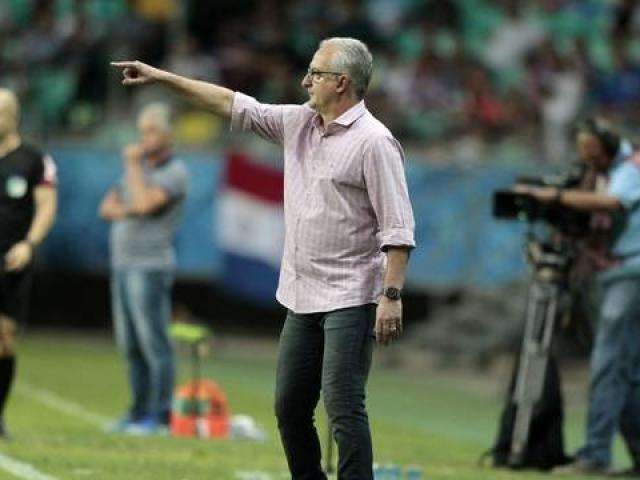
540,321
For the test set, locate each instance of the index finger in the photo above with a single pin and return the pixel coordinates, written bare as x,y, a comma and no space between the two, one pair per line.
123,64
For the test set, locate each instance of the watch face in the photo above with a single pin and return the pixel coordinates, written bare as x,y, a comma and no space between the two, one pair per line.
392,293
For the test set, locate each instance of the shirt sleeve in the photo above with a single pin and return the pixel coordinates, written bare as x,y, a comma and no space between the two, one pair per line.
174,181
47,172
249,115
387,189
625,185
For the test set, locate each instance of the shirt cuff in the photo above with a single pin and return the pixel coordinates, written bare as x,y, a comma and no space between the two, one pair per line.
628,202
397,237
239,109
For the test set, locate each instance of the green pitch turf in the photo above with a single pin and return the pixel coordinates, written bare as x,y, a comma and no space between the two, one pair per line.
439,421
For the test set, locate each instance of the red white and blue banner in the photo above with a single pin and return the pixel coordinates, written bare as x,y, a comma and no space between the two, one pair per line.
250,227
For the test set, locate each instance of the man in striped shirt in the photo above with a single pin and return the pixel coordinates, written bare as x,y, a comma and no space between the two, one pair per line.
348,231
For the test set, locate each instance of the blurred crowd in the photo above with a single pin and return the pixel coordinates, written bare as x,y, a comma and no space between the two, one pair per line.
468,80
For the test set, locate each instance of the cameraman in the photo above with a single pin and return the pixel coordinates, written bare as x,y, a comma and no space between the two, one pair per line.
614,397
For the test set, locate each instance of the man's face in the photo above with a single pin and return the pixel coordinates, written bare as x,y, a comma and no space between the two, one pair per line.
7,115
321,87
591,152
153,138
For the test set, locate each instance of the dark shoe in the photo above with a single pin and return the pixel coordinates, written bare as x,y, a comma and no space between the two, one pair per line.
581,467
633,472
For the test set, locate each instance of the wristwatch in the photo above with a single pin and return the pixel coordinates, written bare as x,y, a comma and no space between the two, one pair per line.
392,293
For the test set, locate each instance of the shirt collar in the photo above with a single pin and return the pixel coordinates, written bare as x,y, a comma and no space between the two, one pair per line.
625,150
346,119
351,115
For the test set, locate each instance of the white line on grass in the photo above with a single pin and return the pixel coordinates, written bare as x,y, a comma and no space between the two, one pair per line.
253,475
260,475
22,470
54,401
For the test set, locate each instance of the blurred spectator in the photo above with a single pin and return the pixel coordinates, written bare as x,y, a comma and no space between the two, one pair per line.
561,98
43,43
190,60
484,107
518,34
618,89
625,21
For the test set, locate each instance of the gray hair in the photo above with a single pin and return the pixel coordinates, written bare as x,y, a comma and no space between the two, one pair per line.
354,58
159,113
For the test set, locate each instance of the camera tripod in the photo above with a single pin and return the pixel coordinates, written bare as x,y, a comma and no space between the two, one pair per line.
550,264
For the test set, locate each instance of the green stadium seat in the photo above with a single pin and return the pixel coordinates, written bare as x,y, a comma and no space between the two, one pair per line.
53,92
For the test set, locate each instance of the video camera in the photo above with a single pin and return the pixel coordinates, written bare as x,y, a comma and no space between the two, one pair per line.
511,205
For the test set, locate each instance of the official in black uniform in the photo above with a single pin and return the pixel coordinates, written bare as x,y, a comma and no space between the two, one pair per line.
28,200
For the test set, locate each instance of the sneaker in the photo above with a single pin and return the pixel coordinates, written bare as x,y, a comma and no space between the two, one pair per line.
120,426
581,467
145,427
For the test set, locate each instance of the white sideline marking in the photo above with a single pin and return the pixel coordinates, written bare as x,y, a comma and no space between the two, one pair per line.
54,401
253,475
22,470
258,475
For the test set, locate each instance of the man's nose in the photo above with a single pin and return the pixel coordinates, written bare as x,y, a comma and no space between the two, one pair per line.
305,80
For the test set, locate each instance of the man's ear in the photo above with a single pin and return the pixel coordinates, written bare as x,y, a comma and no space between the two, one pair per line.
343,84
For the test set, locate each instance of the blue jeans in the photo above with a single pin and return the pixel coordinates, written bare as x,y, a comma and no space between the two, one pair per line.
141,303
614,396
331,352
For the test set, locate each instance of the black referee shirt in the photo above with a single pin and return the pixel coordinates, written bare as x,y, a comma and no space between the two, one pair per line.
21,171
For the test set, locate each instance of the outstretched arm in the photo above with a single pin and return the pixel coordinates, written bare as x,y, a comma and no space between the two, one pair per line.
212,97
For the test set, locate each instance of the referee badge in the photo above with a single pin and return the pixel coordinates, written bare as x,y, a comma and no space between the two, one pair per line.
16,186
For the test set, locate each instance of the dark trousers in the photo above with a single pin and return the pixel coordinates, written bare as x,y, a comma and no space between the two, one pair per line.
330,352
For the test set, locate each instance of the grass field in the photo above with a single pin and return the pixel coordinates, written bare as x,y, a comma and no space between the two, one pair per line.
439,421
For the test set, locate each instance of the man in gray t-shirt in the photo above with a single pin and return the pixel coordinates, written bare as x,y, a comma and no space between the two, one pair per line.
146,241
145,208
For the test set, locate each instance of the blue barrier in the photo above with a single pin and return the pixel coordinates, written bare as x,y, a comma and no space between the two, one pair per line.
459,244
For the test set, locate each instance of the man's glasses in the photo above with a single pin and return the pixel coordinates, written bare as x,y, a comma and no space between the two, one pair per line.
316,75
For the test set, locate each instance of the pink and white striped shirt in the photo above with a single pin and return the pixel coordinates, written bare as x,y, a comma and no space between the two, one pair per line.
345,202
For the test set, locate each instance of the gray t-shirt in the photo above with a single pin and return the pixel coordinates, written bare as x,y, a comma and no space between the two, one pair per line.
146,241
